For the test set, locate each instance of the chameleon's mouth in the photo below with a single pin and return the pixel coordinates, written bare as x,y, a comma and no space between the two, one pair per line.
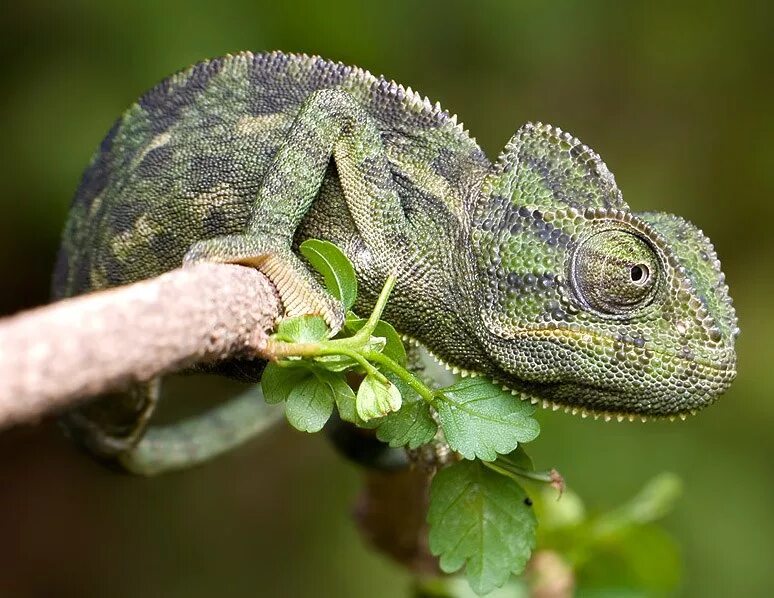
695,382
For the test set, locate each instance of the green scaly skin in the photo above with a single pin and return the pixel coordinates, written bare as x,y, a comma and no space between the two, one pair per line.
531,270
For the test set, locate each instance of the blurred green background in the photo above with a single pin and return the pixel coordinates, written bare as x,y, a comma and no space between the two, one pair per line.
676,97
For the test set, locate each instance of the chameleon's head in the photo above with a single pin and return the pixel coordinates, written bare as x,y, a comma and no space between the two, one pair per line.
587,305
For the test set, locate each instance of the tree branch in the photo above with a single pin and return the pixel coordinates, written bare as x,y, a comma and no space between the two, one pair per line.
51,357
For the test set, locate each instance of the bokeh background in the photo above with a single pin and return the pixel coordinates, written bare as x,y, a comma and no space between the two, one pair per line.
677,97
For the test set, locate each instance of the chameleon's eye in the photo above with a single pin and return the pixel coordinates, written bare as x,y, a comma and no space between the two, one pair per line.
615,272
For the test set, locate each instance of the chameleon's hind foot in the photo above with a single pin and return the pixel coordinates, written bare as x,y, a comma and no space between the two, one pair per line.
300,293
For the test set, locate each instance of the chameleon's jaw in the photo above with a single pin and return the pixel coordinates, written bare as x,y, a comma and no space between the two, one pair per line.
629,381
666,400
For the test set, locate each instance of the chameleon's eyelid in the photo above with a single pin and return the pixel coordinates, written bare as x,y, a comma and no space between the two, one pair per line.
594,282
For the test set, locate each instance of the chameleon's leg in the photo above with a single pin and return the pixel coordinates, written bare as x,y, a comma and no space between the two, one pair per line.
200,438
113,424
330,124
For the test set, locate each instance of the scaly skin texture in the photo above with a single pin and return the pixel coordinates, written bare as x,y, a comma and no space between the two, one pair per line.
531,270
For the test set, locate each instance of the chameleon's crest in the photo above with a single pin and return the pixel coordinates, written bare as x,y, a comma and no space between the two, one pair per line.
544,166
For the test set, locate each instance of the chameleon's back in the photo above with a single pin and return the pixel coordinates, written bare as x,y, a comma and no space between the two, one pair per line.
181,164
184,163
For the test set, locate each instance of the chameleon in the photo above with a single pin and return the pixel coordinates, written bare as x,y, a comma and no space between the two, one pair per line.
530,269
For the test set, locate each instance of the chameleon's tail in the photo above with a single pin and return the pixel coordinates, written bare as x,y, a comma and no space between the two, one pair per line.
200,438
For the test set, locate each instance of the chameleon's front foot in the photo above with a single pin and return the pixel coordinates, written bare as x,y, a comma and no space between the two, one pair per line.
300,293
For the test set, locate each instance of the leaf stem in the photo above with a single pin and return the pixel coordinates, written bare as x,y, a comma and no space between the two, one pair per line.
513,471
362,335
326,349
280,349
501,470
423,391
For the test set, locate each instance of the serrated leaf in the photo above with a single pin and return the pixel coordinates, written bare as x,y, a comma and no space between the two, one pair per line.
278,381
412,426
375,399
335,267
393,347
309,404
458,587
302,329
479,519
481,420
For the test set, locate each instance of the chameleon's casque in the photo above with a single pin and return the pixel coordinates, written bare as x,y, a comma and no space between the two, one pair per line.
531,270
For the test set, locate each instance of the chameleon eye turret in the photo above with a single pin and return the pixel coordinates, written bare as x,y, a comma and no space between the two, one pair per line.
615,272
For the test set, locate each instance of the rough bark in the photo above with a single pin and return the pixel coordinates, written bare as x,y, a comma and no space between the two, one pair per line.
51,357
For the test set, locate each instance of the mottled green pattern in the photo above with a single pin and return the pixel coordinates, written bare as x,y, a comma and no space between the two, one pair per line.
521,270
631,309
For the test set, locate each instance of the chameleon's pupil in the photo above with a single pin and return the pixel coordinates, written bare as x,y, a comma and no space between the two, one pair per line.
639,273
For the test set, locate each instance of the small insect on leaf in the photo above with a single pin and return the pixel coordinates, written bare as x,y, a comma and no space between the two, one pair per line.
335,267
376,399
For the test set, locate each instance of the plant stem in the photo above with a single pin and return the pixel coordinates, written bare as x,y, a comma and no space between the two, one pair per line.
512,471
402,373
280,349
326,349
365,332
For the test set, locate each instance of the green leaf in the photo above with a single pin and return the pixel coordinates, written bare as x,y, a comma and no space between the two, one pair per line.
309,404
375,399
344,397
481,420
335,267
277,381
393,347
335,363
518,458
302,329
412,426
480,519
458,587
